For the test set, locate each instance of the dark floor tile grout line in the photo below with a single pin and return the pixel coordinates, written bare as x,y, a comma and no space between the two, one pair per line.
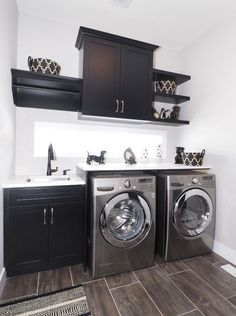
170,274
93,280
148,294
185,295
234,295
112,297
183,314
224,298
148,268
118,287
71,277
213,263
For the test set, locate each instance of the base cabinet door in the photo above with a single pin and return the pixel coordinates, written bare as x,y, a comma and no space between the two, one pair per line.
27,247
44,228
66,229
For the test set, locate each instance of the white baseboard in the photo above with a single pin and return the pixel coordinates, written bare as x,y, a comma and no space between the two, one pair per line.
3,277
225,252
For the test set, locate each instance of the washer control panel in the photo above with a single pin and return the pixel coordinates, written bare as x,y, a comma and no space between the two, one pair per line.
144,183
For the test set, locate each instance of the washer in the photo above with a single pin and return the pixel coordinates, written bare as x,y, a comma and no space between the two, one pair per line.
185,214
122,223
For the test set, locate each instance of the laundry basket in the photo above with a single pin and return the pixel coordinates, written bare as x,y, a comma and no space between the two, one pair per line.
193,158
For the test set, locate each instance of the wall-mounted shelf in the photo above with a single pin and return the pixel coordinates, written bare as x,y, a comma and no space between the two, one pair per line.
36,90
169,98
170,122
167,75
172,76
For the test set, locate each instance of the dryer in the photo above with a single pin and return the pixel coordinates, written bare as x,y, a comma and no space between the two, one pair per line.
186,211
122,223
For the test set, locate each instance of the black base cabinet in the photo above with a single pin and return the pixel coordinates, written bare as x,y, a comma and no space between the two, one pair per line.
43,228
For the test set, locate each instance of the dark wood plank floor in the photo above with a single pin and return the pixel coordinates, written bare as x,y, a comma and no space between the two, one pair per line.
192,287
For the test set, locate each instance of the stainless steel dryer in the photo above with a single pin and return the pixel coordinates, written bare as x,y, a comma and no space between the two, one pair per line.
122,223
185,214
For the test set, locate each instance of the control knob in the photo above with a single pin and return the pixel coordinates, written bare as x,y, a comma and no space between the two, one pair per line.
127,184
194,180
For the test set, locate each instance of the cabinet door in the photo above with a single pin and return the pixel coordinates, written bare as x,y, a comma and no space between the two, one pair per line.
66,222
136,82
101,75
26,234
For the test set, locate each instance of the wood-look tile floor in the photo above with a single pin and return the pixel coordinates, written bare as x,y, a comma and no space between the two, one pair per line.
192,287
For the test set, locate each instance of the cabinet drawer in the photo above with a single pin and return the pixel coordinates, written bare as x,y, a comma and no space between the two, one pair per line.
39,195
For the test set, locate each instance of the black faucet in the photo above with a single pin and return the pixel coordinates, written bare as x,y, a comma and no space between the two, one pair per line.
51,156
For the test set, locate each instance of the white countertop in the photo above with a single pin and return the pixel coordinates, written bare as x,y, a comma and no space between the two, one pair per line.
45,181
137,166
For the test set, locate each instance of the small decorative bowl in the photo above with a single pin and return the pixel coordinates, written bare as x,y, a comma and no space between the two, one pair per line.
166,86
192,158
43,65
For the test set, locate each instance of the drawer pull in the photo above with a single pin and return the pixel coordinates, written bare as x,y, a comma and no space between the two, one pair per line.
52,219
123,106
117,106
45,216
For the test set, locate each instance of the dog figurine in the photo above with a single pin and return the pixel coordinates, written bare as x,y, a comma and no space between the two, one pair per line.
178,157
100,159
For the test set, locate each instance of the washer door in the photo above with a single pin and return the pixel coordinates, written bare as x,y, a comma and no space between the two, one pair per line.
126,220
192,212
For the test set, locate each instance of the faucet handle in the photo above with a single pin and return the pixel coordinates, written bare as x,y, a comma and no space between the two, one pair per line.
65,171
54,170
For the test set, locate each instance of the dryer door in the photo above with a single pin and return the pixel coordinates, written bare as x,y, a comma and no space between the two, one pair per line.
192,212
126,220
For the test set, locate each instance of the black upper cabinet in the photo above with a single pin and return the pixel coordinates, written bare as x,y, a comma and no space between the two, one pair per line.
117,75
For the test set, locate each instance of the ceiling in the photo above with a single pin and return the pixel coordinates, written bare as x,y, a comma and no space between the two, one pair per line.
172,24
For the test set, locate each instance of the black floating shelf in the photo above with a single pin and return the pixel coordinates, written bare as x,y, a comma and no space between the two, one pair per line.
170,122
36,90
167,75
169,98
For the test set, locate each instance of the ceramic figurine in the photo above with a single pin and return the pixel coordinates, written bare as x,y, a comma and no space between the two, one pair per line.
178,157
100,159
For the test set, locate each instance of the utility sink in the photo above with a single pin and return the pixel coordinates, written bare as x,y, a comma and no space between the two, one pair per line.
47,178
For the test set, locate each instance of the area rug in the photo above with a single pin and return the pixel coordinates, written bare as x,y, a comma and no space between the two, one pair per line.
67,302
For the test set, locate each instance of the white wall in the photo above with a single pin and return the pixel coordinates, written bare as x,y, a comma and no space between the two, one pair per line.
8,40
211,62
42,38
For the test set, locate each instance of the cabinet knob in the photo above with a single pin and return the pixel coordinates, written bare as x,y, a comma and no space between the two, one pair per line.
122,106
45,216
117,105
52,219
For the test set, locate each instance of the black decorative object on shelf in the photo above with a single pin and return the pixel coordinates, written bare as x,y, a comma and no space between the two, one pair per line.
165,86
100,159
43,65
174,115
129,156
193,158
178,157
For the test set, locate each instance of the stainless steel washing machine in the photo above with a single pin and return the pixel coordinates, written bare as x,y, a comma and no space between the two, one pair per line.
122,223
185,214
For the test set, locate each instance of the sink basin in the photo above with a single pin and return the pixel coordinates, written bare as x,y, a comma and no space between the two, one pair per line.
47,178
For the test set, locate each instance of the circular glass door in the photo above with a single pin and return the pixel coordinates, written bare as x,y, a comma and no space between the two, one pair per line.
126,220
192,212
